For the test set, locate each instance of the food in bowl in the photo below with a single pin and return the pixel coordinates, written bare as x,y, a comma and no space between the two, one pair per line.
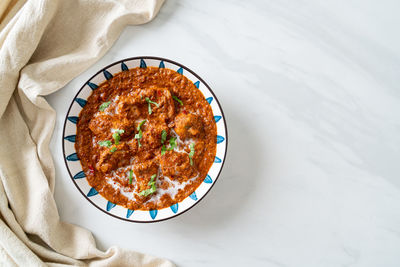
146,138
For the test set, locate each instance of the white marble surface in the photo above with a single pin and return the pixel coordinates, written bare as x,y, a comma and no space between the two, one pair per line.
311,94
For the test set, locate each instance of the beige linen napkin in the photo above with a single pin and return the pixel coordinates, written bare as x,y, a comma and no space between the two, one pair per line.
3,7
44,46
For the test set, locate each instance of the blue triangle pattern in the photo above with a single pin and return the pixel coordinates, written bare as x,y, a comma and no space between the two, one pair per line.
73,119
193,196
197,84
208,179
70,138
92,85
220,139
80,101
107,74
143,64
174,208
110,205
180,71
72,157
217,118
80,175
217,160
161,64
92,192
124,67
209,100
153,213
129,213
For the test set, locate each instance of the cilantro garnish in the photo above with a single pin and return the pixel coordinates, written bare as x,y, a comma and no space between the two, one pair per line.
163,136
163,139
177,100
113,149
147,192
172,143
163,150
105,143
149,103
117,136
104,105
141,124
152,182
191,154
139,135
130,176
152,189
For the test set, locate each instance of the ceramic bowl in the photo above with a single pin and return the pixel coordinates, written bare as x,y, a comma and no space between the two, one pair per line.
74,166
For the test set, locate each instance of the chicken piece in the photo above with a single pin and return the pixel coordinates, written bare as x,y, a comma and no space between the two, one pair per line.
143,172
188,126
176,165
109,160
132,107
152,131
135,105
161,96
102,126
145,168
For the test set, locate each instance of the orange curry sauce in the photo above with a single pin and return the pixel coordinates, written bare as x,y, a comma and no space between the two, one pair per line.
146,138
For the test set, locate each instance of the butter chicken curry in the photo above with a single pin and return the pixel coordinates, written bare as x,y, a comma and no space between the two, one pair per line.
146,138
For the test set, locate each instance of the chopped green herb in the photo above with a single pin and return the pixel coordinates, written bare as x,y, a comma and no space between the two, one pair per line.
163,139
147,192
163,136
177,100
104,105
152,102
141,124
105,143
130,176
152,189
191,154
117,136
113,149
139,135
149,104
172,143
149,109
163,150
152,179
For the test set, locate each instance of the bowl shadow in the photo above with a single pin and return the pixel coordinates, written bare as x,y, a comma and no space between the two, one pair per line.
232,191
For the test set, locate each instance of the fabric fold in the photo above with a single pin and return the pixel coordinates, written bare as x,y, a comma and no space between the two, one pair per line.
45,45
